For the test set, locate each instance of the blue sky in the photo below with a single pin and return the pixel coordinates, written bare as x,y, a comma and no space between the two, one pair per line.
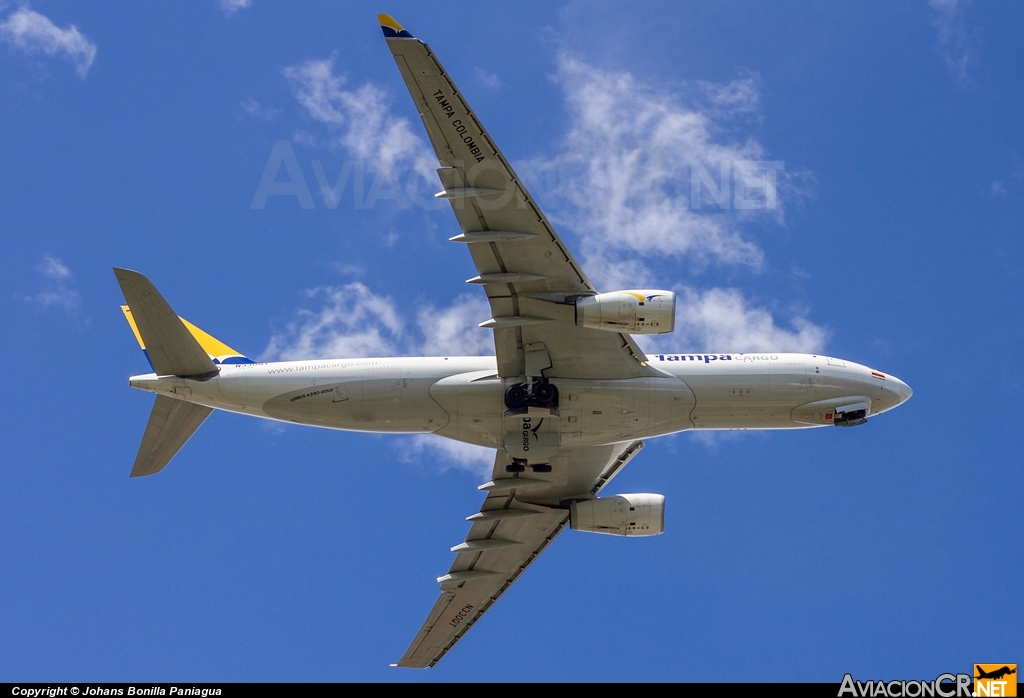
873,158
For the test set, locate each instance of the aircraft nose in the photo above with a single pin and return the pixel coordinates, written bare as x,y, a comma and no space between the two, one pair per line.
901,389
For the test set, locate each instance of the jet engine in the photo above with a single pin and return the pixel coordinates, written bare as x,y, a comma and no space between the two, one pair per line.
621,515
636,312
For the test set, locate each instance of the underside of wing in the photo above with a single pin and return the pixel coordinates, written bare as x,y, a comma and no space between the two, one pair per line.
530,277
518,520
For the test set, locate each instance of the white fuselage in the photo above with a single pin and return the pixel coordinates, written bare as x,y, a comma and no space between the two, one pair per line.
463,398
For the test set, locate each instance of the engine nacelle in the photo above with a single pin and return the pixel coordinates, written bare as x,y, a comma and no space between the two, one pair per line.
621,515
636,312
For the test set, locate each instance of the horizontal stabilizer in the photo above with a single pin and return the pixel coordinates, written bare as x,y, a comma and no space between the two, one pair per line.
171,424
171,348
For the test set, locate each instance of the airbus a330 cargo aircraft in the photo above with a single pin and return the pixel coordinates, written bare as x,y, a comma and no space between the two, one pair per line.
565,402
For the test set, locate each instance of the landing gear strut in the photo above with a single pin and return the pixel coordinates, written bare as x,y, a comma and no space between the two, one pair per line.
516,466
519,465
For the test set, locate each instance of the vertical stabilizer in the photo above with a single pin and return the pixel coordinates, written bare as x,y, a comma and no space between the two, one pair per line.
171,348
171,424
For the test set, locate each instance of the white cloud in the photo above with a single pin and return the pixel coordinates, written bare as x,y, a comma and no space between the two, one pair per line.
454,330
648,176
360,119
741,96
32,32
721,320
953,37
997,188
57,293
232,6
258,111
355,322
319,90
489,80
61,298
53,268
448,454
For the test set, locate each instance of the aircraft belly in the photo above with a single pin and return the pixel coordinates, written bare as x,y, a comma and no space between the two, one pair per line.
589,412
601,412
743,399
475,403
377,403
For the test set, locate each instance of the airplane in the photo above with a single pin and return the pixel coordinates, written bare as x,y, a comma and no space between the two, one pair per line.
995,673
566,401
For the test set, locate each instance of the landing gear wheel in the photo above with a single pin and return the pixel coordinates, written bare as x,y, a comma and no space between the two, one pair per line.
515,468
516,397
545,394
542,468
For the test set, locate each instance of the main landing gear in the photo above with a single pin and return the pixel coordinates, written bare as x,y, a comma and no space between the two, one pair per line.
519,398
536,393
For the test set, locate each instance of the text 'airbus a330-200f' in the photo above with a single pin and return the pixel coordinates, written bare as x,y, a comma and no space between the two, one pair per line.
565,401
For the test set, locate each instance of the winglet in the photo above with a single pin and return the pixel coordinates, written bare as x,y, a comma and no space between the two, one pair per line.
392,29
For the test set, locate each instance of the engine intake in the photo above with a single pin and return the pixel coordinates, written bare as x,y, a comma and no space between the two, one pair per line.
621,515
636,312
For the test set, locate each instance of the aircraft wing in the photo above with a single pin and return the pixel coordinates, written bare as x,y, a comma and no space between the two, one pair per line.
530,277
517,521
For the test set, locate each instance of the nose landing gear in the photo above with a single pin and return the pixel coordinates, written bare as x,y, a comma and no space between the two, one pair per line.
851,419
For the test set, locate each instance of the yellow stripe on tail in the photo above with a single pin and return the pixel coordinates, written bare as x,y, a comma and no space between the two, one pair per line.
218,351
